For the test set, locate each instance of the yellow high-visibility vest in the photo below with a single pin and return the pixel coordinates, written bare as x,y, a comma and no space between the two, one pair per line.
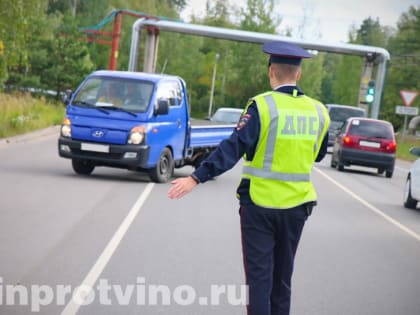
291,132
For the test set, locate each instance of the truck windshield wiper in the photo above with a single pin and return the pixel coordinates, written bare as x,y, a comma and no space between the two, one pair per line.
119,109
90,105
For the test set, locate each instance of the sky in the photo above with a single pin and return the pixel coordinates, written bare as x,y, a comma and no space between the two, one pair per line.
328,20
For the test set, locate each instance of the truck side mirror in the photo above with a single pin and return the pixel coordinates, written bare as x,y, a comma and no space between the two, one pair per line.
162,107
67,96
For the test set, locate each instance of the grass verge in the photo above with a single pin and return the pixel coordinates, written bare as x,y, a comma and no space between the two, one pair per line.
21,113
404,143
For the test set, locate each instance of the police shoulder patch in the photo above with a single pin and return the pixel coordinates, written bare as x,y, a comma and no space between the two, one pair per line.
243,121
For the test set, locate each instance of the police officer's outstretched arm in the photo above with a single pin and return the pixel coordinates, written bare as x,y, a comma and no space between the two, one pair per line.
228,153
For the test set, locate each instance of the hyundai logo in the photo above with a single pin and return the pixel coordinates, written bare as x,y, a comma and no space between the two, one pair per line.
98,134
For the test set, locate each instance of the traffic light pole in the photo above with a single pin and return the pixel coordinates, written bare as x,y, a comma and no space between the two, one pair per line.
364,82
379,85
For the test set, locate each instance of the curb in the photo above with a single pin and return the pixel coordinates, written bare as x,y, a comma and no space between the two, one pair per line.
30,136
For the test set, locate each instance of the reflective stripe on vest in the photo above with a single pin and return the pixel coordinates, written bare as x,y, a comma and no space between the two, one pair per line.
266,171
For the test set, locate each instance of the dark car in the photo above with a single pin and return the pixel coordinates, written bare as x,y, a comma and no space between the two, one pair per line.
338,115
365,142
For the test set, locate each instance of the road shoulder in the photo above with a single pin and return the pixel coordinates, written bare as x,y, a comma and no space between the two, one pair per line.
30,136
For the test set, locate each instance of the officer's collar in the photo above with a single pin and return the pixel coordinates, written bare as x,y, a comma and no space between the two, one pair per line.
288,89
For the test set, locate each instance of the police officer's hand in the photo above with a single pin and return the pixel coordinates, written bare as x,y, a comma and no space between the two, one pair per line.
181,187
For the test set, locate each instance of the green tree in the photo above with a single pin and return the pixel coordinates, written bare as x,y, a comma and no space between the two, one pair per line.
312,76
371,33
404,70
258,16
330,63
16,27
68,60
250,71
3,66
346,80
218,14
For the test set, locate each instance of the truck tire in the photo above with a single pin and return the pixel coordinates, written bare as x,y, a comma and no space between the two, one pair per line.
82,167
164,168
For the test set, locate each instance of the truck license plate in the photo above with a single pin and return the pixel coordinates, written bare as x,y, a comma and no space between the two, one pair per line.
94,147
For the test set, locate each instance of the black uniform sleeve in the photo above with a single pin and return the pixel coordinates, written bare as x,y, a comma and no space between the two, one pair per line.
323,151
242,141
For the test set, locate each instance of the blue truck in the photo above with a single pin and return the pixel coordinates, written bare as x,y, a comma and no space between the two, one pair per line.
136,121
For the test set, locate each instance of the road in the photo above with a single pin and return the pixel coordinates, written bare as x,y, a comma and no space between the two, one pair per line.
143,253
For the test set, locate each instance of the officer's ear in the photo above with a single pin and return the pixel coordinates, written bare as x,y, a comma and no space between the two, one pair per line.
298,74
271,71
271,75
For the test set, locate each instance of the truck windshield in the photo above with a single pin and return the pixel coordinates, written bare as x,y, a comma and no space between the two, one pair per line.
127,94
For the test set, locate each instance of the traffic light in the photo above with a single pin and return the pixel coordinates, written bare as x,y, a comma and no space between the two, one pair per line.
370,93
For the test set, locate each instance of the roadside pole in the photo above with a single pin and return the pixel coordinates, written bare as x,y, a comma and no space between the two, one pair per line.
406,111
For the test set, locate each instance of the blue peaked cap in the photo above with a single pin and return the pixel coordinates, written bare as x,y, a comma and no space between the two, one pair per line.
284,52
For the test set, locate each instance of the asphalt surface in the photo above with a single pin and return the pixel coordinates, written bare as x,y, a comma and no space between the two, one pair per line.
146,254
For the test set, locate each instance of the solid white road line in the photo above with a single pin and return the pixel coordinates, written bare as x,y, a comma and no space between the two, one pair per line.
73,306
371,207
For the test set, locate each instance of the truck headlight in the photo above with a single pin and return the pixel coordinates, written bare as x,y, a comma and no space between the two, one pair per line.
137,135
66,128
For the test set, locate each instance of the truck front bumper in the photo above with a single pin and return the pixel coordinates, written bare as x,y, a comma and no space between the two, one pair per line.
125,156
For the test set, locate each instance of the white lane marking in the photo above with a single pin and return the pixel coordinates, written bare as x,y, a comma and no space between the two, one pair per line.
72,307
371,207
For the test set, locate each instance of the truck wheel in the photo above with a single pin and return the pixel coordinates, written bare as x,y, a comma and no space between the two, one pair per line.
164,168
83,167
388,173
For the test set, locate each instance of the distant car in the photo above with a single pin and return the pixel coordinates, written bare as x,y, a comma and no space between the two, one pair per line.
338,115
227,115
412,184
365,142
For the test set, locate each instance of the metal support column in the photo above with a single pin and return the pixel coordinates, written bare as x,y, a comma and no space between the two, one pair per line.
379,86
366,76
115,41
151,50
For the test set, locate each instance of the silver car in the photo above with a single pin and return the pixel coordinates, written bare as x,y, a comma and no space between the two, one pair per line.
412,184
227,115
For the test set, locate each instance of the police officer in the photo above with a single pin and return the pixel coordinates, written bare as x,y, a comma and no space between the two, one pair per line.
281,133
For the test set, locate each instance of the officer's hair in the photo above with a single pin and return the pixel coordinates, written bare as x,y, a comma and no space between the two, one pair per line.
285,71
